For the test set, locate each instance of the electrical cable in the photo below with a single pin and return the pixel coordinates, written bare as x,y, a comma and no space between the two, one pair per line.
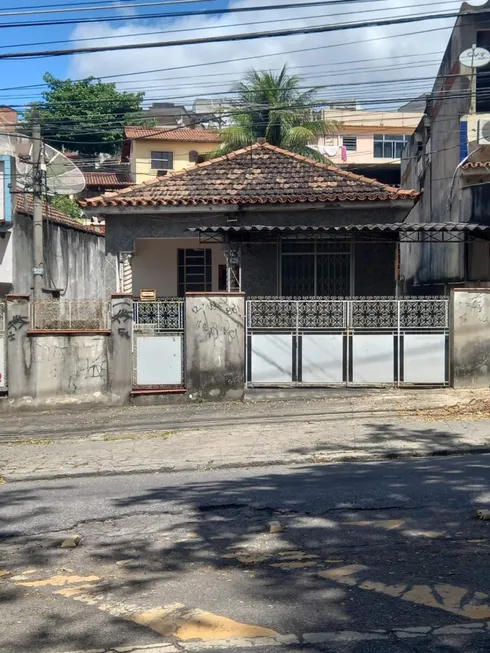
320,29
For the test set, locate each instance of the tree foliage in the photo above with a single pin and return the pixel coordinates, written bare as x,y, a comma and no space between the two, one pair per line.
66,205
87,116
273,106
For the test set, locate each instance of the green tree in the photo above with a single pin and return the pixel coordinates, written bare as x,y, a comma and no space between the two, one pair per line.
273,106
87,116
66,205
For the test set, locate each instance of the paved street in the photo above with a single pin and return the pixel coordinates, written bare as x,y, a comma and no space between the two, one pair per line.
357,425
380,556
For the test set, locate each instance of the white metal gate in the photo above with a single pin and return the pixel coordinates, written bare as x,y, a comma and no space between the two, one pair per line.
358,341
3,346
158,344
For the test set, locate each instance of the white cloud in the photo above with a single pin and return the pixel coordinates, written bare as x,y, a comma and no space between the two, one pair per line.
412,56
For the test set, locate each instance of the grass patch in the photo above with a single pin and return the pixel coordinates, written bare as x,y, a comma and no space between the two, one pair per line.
45,441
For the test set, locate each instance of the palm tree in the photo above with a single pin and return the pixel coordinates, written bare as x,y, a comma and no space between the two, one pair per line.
273,107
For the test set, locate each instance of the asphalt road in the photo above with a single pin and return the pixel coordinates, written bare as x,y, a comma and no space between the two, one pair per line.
378,557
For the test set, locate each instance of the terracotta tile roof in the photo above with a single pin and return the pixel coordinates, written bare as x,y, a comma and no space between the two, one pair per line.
259,174
170,134
24,205
112,179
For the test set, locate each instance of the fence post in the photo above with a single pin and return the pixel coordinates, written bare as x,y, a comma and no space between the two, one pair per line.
19,354
215,345
121,365
470,337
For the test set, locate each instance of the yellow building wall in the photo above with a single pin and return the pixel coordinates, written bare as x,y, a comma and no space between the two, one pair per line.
140,160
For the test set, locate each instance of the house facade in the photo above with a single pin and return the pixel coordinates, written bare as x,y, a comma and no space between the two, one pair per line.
154,151
313,249
369,142
447,159
262,220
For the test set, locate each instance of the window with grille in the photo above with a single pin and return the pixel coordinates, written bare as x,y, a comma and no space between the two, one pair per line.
193,156
350,143
194,271
315,269
162,160
389,146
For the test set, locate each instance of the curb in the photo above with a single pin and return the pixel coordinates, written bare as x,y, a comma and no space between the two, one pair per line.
350,456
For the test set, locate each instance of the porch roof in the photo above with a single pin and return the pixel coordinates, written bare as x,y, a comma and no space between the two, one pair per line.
429,227
258,174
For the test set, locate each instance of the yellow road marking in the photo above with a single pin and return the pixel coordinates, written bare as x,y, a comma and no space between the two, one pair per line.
58,581
177,621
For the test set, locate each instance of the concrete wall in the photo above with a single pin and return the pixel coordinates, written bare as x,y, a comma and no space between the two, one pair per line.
49,367
140,158
470,342
154,263
124,229
75,261
215,346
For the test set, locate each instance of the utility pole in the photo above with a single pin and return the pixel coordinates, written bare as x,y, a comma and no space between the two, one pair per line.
37,213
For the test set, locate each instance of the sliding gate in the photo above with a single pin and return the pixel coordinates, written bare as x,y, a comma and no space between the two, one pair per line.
355,341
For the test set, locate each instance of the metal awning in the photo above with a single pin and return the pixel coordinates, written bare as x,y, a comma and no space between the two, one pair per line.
406,232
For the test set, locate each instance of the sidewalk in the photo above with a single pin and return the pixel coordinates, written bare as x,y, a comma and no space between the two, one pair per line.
361,426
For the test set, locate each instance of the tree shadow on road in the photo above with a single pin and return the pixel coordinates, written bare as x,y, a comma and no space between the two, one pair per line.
364,547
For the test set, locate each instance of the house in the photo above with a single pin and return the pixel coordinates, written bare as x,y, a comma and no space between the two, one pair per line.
8,119
314,249
98,182
368,142
75,261
154,151
447,159
261,219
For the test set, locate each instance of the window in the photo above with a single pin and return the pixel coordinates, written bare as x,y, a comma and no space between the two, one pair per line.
162,160
350,143
194,271
315,269
389,146
193,156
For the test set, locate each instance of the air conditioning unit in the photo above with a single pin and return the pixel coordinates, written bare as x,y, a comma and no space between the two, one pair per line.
484,132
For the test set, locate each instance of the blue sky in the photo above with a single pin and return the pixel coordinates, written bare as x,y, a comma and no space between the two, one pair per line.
181,73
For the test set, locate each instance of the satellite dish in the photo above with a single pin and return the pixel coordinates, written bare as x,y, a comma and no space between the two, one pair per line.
474,57
62,175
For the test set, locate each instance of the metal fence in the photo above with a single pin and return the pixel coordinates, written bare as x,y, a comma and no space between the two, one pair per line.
159,316
364,340
70,315
158,344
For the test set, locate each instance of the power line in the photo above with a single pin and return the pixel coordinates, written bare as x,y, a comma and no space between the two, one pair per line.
157,3
321,29
179,14
208,27
240,59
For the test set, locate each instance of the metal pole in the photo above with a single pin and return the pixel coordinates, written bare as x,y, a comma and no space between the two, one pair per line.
37,213
473,82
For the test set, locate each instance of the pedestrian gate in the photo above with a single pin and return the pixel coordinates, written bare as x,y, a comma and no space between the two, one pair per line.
357,341
158,344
